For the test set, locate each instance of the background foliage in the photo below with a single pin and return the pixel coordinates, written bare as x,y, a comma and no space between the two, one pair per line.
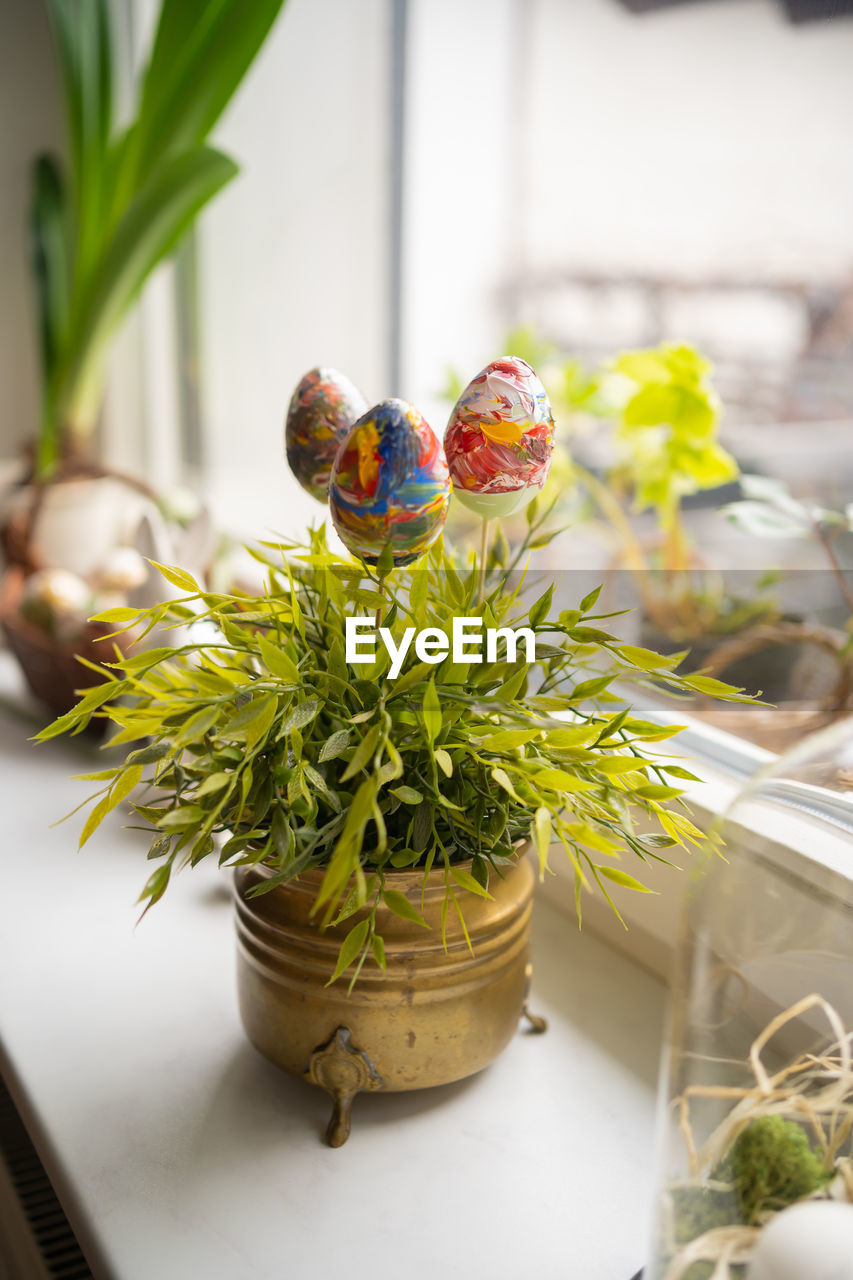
98,230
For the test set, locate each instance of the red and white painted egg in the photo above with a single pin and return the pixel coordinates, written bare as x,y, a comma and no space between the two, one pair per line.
499,440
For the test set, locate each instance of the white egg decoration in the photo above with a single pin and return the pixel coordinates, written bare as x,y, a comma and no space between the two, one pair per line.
812,1240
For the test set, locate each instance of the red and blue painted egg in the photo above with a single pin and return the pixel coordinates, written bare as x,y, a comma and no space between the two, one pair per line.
322,410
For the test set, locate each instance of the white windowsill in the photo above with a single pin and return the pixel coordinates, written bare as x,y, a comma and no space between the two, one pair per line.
178,1151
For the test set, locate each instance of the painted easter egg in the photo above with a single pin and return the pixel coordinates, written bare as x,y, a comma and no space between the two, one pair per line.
322,410
499,440
390,483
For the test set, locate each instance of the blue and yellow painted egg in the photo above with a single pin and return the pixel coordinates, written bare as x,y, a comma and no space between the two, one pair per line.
390,483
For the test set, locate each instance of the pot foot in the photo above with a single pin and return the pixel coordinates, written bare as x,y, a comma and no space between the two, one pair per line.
338,1129
343,1071
537,1025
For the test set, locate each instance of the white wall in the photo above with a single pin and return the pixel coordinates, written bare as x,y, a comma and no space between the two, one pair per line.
549,136
293,254
461,168
709,138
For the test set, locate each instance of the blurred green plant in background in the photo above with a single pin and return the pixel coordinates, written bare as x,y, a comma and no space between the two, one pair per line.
663,415
100,224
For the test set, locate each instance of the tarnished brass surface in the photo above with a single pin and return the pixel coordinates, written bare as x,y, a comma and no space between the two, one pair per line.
538,1025
434,1017
343,1071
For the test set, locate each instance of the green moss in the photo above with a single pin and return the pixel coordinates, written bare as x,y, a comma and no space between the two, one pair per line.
772,1164
701,1209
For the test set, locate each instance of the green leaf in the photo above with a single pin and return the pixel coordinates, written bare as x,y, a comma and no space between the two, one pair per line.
201,52
121,613
677,772
334,746
148,231
260,725
503,780
613,765
444,762
302,715
539,611
542,834
407,794
431,711
186,815
363,753
645,659
507,739
351,948
214,782
575,736
561,780
121,788
400,905
378,947
622,878
714,688
511,688
657,791
50,257
150,754
197,726
277,662
467,881
94,820
319,783
241,721
82,37
156,884
591,599
590,688
178,577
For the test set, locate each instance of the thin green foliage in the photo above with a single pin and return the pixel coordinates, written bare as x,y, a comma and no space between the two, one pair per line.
263,744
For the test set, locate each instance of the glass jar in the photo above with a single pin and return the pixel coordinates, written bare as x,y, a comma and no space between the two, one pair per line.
756,1106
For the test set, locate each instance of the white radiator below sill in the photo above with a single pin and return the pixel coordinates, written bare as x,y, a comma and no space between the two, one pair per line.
36,1239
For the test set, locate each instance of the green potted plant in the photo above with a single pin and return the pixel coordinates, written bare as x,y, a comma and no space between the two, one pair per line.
100,222
807,668
666,413
667,421
375,778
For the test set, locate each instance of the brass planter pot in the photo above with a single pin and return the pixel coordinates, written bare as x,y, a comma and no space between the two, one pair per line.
432,1018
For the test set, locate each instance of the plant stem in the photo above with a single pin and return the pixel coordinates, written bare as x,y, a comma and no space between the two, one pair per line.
484,549
843,585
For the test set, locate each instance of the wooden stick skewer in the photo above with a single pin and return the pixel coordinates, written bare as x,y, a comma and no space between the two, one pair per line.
484,551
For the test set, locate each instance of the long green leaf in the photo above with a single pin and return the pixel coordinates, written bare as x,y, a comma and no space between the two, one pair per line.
202,50
148,232
84,44
49,256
